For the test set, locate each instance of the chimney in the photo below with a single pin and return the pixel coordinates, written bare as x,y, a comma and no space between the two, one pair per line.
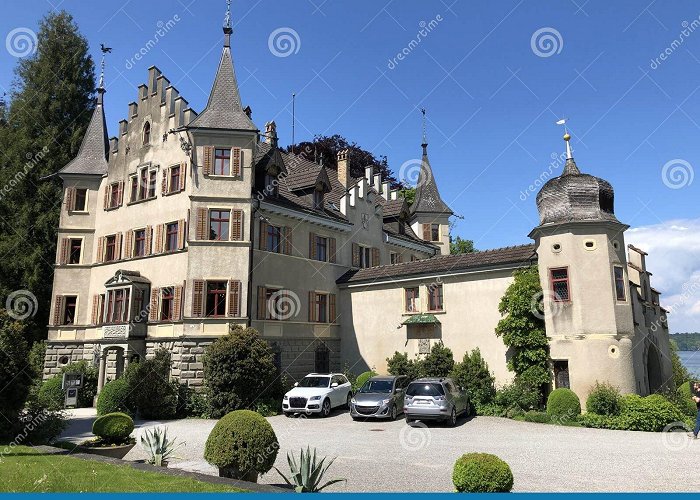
123,127
344,168
271,133
113,144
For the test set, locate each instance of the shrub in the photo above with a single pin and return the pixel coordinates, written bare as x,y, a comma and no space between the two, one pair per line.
239,369
563,403
152,394
307,474
538,417
113,427
399,364
482,473
473,374
361,379
652,413
40,424
191,403
50,395
88,391
439,362
604,399
37,354
242,445
13,360
114,397
684,400
517,395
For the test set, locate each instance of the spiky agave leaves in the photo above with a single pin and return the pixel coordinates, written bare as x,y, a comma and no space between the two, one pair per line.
160,449
307,475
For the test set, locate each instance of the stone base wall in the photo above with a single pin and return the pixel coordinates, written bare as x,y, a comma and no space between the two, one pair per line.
60,354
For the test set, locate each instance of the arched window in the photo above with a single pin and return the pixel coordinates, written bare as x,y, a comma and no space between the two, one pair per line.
147,133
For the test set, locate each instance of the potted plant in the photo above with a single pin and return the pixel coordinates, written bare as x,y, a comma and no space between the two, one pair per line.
112,433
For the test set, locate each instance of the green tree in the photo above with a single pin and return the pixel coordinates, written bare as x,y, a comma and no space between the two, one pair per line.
15,373
51,103
473,374
400,364
459,246
409,194
439,362
522,328
680,372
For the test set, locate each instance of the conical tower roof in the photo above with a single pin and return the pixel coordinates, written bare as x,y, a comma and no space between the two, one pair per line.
428,198
92,155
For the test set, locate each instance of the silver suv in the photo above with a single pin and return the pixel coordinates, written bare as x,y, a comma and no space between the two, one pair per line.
435,399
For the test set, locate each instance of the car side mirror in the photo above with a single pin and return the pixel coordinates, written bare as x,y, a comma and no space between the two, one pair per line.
334,385
296,384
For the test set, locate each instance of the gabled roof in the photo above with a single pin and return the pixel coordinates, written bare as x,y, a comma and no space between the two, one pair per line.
224,110
428,198
92,155
393,208
518,256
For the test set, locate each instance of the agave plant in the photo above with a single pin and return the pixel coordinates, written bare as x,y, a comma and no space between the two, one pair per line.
160,449
308,473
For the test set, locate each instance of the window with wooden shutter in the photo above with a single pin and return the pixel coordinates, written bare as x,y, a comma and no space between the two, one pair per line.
202,224
426,232
118,246
164,183
57,310
129,244
63,253
100,250
262,302
159,239
236,225
234,298
70,199
95,310
198,298
149,238
288,240
355,255
331,250
181,225
153,306
332,316
312,307
375,257
177,303
106,197
312,246
236,162
208,159
263,235
183,175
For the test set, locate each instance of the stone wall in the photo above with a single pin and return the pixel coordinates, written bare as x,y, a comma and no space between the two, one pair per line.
60,354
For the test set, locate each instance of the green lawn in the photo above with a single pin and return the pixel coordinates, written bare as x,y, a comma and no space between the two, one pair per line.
25,469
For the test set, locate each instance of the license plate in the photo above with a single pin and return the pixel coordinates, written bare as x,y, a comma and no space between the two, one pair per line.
422,402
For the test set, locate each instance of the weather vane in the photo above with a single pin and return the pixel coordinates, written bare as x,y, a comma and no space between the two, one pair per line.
105,50
227,19
425,130
567,138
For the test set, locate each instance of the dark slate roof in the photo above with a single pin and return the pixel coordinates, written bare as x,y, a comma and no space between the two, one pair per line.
92,155
393,208
428,198
518,255
224,110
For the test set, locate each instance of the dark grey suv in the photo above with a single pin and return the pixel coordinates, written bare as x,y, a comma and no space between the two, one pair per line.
435,399
379,397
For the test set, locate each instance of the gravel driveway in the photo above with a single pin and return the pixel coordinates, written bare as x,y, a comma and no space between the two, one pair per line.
392,456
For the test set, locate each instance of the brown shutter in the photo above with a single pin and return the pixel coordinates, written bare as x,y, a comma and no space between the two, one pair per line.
234,298
121,193
201,224
106,197
236,225
164,182
400,258
375,257
263,235
177,304
331,308
426,232
181,224
355,255
95,309
100,250
70,199
183,175
57,310
288,240
147,242
153,310
129,244
312,246
262,303
208,159
63,255
331,250
159,239
236,162
118,246
312,309
198,298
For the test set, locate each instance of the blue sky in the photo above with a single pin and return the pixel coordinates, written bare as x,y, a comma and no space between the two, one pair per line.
492,93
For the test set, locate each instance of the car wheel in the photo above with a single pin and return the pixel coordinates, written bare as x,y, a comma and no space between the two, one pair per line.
326,408
409,420
349,399
392,412
453,418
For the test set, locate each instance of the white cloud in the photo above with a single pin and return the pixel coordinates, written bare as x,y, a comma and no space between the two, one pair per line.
674,261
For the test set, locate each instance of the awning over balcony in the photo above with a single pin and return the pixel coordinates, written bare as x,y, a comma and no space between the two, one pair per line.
421,319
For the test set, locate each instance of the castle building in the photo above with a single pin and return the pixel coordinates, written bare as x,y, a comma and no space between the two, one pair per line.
187,224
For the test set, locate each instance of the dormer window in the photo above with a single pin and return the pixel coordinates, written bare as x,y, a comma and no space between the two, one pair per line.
147,133
271,185
318,199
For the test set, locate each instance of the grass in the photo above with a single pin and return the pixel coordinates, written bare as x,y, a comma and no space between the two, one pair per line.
26,469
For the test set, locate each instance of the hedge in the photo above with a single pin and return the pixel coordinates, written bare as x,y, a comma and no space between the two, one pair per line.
482,473
114,397
113,427
563,403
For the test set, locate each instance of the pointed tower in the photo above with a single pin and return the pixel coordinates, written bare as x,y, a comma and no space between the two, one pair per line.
429,213
583,273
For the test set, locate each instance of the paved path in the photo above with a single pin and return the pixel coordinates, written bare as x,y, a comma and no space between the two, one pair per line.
391,456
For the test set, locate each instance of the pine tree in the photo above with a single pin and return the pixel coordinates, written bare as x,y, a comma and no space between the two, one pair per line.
51,103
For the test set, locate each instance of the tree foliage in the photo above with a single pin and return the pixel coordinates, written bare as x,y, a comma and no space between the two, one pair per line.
51,103
439,362
460,246
522,328
15,373
473,374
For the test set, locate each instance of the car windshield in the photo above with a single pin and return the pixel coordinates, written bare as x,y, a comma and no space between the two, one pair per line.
423,389
377,386
315,382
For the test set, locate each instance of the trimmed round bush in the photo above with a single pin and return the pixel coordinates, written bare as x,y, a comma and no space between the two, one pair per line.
685,400
563,403
604,399
538,417
362,378
114,397
242,445
113,427
482,473
50,395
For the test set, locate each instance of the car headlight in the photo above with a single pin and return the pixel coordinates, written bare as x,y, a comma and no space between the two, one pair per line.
315,398
386,401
